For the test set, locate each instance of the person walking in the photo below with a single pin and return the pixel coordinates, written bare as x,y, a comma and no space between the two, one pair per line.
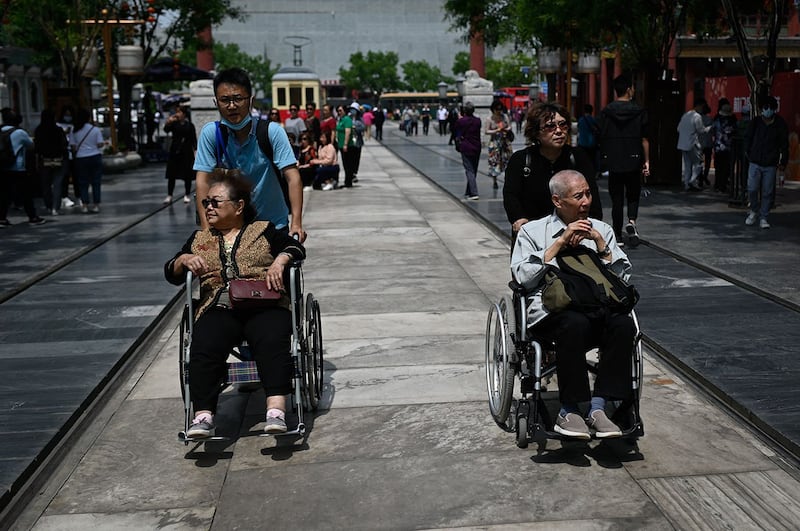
766,143
85,141
441,116
468,140
498,129
587,133
51,159
15,182
625,154
378,118
181,153
233,92
425,114
690,131
724,133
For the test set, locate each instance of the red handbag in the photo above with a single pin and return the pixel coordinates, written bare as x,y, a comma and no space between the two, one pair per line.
251,293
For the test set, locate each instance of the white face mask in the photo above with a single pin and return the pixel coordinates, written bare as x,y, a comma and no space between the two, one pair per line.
767,113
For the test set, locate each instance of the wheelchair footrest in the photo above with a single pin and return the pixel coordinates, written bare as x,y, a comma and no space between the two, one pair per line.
186,440
300,429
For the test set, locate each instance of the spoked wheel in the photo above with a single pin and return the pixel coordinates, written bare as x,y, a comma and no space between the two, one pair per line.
313,353
499,369
183,366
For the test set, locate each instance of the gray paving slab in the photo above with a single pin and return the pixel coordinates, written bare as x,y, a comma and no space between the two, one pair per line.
404,439
696,318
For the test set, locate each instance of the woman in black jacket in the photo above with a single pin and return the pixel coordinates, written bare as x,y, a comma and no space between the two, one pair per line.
50,144
526,194
181,153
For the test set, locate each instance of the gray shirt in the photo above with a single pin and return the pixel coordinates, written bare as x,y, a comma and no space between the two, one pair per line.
527,261
295,126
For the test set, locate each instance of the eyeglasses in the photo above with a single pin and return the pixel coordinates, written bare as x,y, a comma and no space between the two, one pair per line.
227,101
550,127
214,202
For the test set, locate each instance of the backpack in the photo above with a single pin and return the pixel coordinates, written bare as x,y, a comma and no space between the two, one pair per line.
621,144
358,133
582,282
8,156
262,135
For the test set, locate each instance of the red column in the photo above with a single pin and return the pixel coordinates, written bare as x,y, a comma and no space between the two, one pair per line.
603,82
591,80
477,54
205,54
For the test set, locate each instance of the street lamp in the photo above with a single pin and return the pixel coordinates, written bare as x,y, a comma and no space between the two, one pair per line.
442,86
95,94
533,92
460,85
137,92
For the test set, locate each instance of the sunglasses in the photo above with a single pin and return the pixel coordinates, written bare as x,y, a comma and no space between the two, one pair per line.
552,126
293,110
214,202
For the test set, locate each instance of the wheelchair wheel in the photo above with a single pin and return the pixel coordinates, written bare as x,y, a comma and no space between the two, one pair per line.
313,353
499,370
183,365
522,432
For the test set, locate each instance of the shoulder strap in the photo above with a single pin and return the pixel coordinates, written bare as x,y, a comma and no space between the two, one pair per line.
526,170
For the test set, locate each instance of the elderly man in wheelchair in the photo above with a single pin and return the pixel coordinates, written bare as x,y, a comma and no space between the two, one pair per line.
236,247
573,332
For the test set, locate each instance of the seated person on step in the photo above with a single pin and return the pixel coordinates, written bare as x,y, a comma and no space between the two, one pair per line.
236,246
574,333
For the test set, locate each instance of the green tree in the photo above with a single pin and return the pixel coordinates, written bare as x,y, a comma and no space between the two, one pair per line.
375,72
508,71
490,20
230,55
420,76
461,63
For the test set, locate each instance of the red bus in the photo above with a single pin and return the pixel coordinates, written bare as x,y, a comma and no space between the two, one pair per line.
518,96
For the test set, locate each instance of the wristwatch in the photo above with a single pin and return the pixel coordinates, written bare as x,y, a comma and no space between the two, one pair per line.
605,251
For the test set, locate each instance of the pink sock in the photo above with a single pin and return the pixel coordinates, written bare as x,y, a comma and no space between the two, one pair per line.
275,413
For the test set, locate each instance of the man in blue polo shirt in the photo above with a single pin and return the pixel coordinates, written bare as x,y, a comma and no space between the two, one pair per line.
233,97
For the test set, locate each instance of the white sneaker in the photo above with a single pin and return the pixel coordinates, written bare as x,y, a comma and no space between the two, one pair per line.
187,199
54,212
328,187
167,200
67,203
764,224
307,188
751,218
94,209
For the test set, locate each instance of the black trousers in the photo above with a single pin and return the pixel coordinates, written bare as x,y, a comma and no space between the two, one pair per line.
16,186
621,187
574,335
268,333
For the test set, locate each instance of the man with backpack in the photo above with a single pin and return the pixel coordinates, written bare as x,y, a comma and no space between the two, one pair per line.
260,150
537,252
14,144
625,154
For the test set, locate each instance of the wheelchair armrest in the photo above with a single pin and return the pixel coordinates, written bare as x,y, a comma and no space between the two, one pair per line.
519,289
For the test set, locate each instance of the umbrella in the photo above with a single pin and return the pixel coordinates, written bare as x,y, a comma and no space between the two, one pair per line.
168,69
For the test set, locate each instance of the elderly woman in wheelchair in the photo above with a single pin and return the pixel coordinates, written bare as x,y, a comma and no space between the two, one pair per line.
573,332
236,247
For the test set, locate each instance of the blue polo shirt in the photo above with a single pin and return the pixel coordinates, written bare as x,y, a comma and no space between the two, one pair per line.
248,157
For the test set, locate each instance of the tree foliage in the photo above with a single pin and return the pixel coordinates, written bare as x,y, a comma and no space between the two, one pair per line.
490,19
57,28
461,63
374,72
508,71
230,55
421,76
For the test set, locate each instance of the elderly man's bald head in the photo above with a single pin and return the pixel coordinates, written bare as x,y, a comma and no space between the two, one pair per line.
561,181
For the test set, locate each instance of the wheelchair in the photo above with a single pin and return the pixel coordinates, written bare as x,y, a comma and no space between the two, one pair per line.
512,356
306,353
